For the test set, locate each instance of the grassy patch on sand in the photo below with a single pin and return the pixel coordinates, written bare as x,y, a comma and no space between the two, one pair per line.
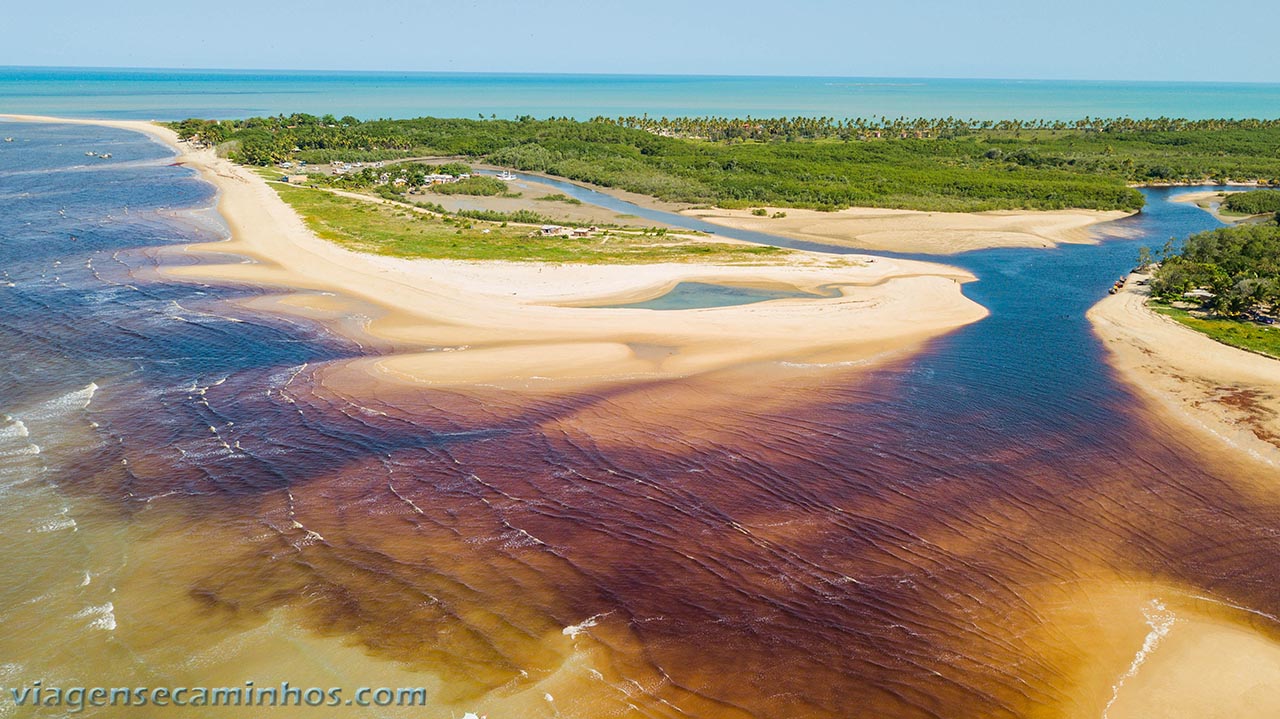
559,198
399,231
479,186
1262,339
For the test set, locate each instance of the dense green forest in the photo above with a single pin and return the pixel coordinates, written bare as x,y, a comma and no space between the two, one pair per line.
821,163
1254,202
1238,266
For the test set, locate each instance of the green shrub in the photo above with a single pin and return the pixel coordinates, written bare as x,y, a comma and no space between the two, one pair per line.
477,185
1254,202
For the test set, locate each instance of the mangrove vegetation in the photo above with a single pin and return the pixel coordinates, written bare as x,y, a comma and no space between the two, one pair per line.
820,163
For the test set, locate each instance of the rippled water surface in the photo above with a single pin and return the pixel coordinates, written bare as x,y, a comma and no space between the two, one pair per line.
191,496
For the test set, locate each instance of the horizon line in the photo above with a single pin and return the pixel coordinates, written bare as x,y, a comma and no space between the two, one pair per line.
508,73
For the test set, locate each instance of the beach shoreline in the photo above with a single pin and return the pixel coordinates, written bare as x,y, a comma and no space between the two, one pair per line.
505,323
1209,387
1211,201
915,231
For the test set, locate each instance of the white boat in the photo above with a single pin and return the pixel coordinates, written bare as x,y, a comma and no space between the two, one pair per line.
91,153
105,156
506,176
8,139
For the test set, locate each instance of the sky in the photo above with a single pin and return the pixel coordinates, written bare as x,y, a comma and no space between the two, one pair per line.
1074,39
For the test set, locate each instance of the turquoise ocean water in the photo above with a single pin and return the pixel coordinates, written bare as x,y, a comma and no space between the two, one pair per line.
175,94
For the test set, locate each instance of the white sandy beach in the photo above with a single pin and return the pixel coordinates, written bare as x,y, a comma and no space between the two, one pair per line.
1225,392
501,323
1211,201
940,233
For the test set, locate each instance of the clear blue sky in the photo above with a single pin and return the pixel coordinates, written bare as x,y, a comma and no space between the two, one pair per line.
1071,39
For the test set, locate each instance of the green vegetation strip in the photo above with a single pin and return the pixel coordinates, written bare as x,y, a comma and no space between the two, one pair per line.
558,197
941,164
1249,336
1254,202
385,229
477,186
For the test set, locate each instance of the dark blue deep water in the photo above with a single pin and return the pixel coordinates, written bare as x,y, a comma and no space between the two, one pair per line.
72,230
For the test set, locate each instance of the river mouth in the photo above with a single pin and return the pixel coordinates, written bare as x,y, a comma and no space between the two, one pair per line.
703,295
191,499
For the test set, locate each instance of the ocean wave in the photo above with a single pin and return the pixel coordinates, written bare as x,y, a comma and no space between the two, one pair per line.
62,405
59,522
573,630
15,428
103,616
1160,619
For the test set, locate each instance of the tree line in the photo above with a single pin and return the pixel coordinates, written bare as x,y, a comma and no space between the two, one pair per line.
1254,202
944,164
1236,268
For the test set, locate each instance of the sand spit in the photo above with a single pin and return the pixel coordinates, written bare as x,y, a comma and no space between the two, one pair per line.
1208,386
1211,201
505,324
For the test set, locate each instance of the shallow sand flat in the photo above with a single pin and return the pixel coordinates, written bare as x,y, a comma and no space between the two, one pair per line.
504,323
1204,669
1152,649
941,233
1211,200
1208,386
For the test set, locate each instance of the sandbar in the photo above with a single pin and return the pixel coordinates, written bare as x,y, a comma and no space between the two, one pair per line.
1211,201
507,324
936,233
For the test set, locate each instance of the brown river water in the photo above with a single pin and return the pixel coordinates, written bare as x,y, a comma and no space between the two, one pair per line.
201,494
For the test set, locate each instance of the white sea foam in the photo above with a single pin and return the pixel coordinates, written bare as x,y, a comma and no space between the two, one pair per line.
59,523
62,405
14,445
14,429
309,537
27,449
573,630
103,616
1161,620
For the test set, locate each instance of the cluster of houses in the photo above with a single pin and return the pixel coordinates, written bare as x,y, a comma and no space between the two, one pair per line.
338,167
438,179
558,231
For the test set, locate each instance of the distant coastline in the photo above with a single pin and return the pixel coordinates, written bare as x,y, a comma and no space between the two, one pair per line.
149,94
